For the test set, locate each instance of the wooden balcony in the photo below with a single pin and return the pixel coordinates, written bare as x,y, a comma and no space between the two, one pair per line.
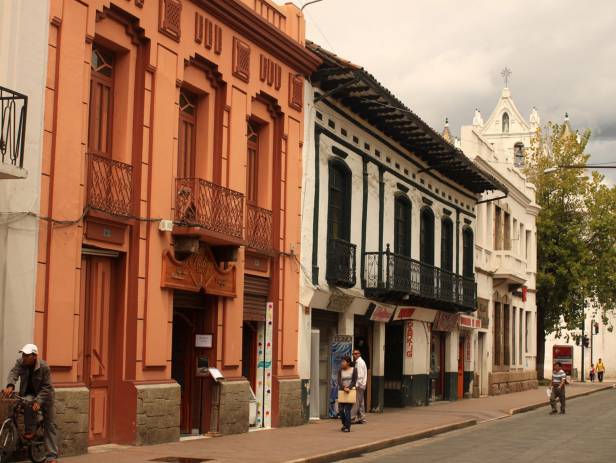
399,279
109,186
259,229
209,211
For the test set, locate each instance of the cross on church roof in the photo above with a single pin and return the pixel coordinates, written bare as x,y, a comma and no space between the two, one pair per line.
506,73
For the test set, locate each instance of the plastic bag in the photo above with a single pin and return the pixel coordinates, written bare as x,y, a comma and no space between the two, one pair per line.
548,391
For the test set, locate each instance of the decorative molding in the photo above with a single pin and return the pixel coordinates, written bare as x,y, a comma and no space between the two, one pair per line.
270,72
402,187
171,18
240,17
139,3
208,33
198,272
56,21
338,152
468,221
446,211
209,68
241,60
426,201
296,91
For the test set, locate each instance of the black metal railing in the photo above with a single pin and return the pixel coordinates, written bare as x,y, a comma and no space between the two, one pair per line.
210,206
110,185
388,274
13,112
341,263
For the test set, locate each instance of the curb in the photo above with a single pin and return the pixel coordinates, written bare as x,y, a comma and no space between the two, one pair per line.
384,443
528,408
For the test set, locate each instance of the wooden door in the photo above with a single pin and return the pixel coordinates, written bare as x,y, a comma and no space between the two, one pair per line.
98,289
461,368
183,362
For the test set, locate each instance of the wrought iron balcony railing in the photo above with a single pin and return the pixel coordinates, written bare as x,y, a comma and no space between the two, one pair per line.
110,185
394,276
341,263
204,204
13,112
259,228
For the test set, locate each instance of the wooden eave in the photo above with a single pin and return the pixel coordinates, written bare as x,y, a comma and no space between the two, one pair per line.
366,97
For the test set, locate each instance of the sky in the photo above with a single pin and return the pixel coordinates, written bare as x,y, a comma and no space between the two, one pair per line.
444,58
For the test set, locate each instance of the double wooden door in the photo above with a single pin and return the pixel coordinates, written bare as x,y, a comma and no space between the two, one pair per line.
98,307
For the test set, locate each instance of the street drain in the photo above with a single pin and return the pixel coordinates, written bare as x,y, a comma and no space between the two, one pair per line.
182,460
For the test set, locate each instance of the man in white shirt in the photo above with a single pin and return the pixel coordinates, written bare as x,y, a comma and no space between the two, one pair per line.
358,413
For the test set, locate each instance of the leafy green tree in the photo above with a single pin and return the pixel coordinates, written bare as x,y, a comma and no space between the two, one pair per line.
576,233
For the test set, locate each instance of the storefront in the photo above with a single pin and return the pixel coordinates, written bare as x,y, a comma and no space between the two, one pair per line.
324,328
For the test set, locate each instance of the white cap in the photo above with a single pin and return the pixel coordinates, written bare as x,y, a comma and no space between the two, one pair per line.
29,349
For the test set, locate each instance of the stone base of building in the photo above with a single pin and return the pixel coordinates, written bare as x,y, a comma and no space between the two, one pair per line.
158,413
72,418
450,391
377,394
290,404
233,410
505,382
417,390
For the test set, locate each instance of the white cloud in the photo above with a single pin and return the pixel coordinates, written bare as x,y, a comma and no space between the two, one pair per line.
443,57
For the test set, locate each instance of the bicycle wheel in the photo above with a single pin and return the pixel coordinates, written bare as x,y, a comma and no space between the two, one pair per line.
37,451
8,440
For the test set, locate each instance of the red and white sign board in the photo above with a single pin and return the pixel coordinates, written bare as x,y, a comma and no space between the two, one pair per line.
469,322
415,313
382,313
564,355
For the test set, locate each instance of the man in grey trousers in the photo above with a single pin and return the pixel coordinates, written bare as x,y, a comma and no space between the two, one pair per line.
35,384
358,413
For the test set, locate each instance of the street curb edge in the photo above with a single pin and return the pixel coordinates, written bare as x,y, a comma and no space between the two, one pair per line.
535,406
384,443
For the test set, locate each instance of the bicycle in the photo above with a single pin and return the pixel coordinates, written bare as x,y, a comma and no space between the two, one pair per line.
11,441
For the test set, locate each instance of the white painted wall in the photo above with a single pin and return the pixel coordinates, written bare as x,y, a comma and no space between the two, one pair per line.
604,346
23,63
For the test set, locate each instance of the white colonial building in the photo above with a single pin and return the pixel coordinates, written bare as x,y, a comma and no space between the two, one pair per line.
505,249
24,26
387,245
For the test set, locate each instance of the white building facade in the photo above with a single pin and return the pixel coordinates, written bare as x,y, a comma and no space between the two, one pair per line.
505,250
387,245
23,65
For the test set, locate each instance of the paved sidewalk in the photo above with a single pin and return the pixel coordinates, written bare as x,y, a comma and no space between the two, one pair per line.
319,441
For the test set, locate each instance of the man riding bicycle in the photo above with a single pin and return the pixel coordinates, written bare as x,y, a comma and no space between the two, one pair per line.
35,383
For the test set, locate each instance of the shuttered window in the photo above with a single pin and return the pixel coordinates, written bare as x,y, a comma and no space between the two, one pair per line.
186,135
256,293
101,101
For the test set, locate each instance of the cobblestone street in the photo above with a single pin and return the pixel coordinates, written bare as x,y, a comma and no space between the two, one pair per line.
585,433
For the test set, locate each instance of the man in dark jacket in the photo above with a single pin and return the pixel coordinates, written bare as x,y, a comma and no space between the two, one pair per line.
34,378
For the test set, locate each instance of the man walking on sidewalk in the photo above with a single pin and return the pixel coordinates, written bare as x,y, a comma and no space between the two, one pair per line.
359,413
559,379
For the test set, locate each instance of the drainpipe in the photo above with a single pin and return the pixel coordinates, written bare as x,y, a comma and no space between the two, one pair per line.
457,241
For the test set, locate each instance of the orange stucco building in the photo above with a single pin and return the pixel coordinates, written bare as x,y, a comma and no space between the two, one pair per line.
172,172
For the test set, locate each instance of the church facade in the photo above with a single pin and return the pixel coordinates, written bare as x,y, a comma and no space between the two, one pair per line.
505,250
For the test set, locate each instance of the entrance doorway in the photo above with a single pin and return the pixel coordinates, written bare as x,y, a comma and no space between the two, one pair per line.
324,323
190,313
99,303
437,365
394,351
363,342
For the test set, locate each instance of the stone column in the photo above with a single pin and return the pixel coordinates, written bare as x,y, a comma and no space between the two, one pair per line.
416,365
451,365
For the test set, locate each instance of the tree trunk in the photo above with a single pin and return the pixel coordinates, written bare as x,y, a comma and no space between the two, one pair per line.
540,341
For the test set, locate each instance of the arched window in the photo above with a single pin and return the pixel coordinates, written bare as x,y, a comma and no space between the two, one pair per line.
505,124
402,226
426,231
468,269
339,209
426,253
518,154
447,244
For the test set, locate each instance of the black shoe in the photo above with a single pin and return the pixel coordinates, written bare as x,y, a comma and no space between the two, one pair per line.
343,428
553,412
346,429
360,422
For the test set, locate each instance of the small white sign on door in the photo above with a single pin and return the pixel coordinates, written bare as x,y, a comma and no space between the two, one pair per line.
203,340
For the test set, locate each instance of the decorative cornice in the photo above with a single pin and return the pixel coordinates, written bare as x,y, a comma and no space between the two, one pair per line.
256,29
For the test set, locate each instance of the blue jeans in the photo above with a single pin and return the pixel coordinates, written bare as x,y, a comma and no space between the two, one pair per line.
345,414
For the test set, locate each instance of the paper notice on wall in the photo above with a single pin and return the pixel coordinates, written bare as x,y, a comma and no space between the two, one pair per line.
203,340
